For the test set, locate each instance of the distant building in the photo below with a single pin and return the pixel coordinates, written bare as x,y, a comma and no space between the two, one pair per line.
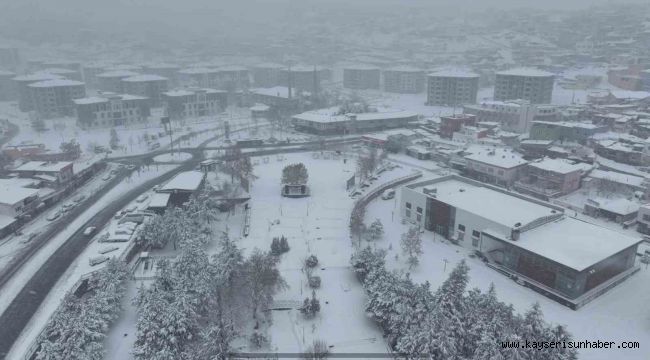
232,78
549,178
453,123
404,80
54,172
198,77
513,115
564,131
267,75
62,72
7,87
23,150
452,88
621,152
21,84
168,71
533,85
500,166
111,81
361,77
566,259
327,121
304,78
90,72
109,110
15,203
9,58
643,219
181,104
149,86
278,97
55,98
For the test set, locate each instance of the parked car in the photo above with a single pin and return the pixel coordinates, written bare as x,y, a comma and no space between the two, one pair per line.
388,194
53,216
106,177
131,167
89,230
80,198
30,237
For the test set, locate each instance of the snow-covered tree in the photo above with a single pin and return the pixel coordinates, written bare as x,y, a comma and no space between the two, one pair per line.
263,279
114,140
411,244
375,230
71,147
295,174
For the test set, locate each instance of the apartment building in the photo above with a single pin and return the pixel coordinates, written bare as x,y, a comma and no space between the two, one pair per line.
110,110
549,178
533,85
500,166
146,85
111,81
187,103
55,98
404,80
361,77
452,88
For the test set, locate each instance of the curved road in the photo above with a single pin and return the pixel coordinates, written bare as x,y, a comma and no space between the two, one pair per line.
27,301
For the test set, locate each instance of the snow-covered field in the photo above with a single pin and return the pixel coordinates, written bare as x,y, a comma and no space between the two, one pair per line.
77,269
619,315
175,157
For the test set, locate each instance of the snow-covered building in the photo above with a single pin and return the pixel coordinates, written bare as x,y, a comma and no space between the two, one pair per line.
110,110
452,88
514,115
279,97
453,123
186,103
111,81
146,85
15,202
267,75
548,178
55,173
643,219
55,98
7,86
529,84
578,132
361,77
305,78
566,259
182,186
329,121
9,58
21,84
168,71
404,80
496,165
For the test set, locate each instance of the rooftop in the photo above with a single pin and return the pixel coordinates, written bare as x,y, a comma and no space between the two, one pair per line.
361,67
44,166
500,157
530,72
617,177
457,73
117,74
11,195
404,68
36,77
329,115
278,91
190,92
500,207
580,245
56,83
144,77
560,166
185,181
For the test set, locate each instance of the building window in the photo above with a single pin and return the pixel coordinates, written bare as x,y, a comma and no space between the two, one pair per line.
475,242
419,217
419,210
646,217
461,227
475,233
408,205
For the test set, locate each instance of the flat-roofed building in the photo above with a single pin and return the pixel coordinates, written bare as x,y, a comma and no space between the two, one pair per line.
109,110
500,166
513,115
327,121
8,89
54,172
452,87
566,259
187,103
55,98
529,84
578,132
361,77
267,75
146,85
232,78
548,178
111,81
304,77
22,82
404,80
182,186
169,71
201,77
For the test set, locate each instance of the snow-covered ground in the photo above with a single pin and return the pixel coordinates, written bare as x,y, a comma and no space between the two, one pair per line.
77,269
619,315
175,157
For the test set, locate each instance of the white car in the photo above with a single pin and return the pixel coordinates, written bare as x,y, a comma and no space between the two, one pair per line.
106,177
388,194
53,216
89,230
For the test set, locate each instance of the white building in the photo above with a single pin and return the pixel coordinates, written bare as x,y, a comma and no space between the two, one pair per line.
515,115
501,166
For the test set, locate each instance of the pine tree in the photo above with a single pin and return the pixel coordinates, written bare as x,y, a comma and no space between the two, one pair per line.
412,246
376,230
284,244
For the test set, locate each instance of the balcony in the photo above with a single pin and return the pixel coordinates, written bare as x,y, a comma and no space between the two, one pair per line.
537,189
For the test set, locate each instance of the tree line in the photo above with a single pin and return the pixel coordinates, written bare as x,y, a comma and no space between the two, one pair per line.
451,322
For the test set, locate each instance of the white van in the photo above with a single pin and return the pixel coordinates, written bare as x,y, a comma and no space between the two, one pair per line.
388,194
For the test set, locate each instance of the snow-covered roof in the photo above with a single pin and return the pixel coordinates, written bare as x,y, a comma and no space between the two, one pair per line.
117,74
306,68
574,243
43,166
145,77
229,68
106,98
497,206
617,177
500,157
581,125
90,100
11,195
325,117
361,67
37,77
197,70
56,71
159,200
260,107
56,83
6,221
530,72
560,166
269,65
185,181
278,91
6,73
457,73
404,68
189,92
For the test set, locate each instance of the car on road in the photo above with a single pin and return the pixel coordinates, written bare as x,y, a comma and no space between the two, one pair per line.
131,167
30,237
388,194
69,206
142,198
89,230
80,198
53,216
118,216
106,177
